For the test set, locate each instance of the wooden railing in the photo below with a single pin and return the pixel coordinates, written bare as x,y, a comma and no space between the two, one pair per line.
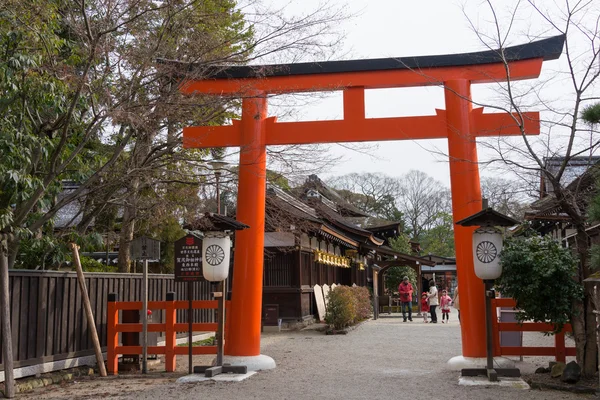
170,327
559,351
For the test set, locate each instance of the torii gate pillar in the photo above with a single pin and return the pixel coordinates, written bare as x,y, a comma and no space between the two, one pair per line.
242,344
466,200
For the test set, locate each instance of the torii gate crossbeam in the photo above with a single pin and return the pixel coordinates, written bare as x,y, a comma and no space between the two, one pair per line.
459,123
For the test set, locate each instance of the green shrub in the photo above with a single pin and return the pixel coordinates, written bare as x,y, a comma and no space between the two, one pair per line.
394,276
539,274
364,306
88,264
348,306
341,308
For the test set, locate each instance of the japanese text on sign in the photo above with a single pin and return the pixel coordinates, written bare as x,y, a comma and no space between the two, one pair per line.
188,259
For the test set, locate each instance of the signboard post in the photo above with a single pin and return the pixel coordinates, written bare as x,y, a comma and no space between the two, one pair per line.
188,268
144,248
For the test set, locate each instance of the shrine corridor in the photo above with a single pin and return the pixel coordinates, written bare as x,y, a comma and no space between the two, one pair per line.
383,359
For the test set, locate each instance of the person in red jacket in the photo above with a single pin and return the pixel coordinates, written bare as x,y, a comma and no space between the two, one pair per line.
405,290
424,306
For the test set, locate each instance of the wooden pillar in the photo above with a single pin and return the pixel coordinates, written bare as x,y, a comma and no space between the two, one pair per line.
419,285
112,341
299,269
170,333
244,330
7,346
466,200
375,295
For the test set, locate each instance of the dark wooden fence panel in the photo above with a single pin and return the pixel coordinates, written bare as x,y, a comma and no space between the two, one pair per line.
278,269
48,319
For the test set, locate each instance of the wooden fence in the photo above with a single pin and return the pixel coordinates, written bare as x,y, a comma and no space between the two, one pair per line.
169,327
559,351
47,316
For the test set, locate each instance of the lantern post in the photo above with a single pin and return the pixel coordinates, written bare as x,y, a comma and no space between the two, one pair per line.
216,249
487,244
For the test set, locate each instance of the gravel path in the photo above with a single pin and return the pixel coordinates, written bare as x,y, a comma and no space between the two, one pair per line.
381,359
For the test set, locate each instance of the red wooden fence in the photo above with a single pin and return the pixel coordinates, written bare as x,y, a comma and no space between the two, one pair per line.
559,351
170,327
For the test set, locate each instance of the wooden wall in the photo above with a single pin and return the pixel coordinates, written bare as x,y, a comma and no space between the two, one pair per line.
290,275
48,319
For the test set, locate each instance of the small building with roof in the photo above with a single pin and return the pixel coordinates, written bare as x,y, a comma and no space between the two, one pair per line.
314,237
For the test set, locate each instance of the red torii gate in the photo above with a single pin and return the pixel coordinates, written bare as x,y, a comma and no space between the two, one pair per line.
460,123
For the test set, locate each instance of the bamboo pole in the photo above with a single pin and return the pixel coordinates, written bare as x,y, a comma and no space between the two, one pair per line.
88,310
7,354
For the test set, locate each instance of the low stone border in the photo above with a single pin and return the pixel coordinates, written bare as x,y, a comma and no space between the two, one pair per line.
345,331
28,384
564,388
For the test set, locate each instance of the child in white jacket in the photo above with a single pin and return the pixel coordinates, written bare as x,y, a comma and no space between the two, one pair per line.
433,301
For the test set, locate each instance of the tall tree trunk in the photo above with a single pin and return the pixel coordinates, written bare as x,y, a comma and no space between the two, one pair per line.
126,236
590,366
128,227
584,320
13,251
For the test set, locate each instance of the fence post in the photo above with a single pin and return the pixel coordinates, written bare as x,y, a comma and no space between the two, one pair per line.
112,358
170,340
559,342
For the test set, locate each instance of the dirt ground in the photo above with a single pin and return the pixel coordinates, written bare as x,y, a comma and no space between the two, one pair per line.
381,359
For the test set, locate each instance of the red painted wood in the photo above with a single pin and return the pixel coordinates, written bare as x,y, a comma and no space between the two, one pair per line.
360,129
559,343
112,356
196,350
170,333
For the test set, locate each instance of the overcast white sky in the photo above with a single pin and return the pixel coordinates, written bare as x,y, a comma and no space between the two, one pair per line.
393,28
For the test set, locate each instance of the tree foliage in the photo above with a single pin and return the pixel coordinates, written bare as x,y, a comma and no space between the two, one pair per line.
395,275
375,194
439,239
539,274
86,101
506,196
421,200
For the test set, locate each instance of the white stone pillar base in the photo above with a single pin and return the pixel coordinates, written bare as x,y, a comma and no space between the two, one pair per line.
459,362
254,363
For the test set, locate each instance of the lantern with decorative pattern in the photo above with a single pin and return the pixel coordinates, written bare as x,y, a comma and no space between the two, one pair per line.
487,244
215,256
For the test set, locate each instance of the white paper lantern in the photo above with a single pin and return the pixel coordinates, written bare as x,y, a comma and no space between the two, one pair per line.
215,258
487,244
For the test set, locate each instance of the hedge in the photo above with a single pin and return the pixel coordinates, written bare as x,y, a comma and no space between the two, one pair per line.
348,306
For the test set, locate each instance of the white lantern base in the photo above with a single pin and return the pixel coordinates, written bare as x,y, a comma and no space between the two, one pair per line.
254,363
459,362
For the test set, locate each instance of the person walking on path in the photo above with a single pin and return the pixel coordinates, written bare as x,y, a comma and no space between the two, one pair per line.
445,302
433,301
455,302
405,290
424,306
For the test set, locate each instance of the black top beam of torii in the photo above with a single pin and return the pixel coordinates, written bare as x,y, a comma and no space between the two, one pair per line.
547,49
